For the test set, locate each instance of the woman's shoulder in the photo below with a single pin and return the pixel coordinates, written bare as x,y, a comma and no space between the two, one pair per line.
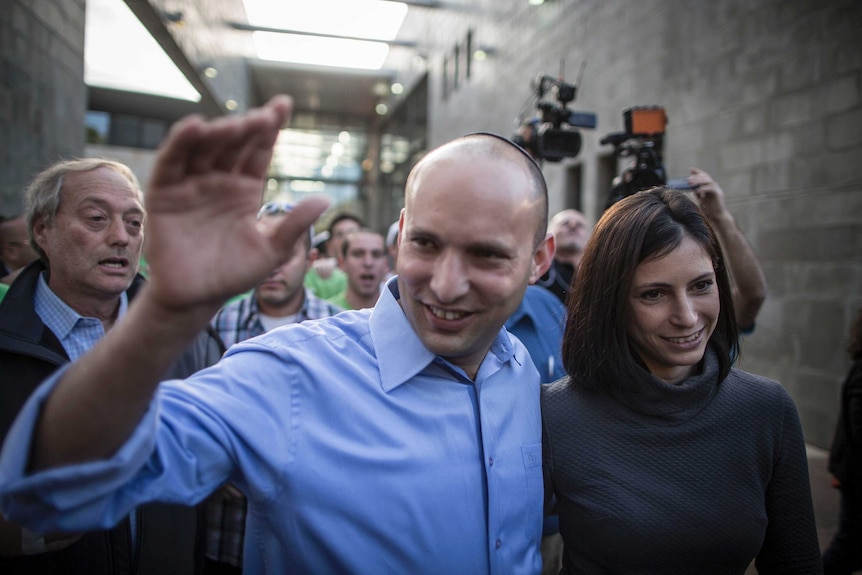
565,396
756,391
558,389
737,375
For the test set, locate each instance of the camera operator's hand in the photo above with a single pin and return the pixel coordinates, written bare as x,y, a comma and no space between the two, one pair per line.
709,194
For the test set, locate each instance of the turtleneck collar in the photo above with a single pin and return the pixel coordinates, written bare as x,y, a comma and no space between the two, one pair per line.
670,404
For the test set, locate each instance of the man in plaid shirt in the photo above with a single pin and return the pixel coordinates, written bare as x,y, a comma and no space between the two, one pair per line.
279,300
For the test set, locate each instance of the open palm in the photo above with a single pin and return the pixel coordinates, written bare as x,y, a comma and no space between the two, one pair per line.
202,240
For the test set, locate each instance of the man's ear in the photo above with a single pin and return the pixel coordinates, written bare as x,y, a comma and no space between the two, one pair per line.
542,257
39,227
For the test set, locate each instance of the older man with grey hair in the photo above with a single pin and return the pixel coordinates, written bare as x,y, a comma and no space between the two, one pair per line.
86,218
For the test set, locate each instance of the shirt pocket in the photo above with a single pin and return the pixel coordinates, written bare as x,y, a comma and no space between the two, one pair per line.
532,459
532,455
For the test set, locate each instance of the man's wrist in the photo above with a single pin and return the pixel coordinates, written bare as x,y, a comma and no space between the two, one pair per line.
171,322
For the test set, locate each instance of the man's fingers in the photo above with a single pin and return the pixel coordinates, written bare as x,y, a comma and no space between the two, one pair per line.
253,152
232,144
173,153
226,141
255,156
297,223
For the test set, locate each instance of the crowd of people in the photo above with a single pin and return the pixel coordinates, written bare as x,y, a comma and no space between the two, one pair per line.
376,404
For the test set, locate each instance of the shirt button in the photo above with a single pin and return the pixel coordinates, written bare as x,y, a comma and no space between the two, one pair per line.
499,544
490,462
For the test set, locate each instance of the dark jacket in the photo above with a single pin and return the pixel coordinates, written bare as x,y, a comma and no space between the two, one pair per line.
558,279
167,538
845,455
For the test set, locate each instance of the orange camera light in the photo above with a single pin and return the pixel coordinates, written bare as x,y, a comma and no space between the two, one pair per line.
645,121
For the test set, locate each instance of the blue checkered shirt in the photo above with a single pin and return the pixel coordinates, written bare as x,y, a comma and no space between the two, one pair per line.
239,320
77,334
226,508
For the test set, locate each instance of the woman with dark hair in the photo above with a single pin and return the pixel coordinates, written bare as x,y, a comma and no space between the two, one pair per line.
662,457
844,554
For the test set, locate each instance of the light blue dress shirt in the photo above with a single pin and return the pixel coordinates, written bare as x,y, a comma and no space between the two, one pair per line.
360,452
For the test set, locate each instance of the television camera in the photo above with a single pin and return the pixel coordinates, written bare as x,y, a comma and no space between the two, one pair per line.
553,134
642,140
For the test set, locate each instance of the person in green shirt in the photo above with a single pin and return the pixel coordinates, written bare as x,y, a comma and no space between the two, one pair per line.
325,279
363,259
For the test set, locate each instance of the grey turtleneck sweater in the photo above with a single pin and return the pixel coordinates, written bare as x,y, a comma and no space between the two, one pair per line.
697,477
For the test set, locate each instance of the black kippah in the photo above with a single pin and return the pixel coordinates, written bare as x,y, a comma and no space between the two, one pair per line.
525,153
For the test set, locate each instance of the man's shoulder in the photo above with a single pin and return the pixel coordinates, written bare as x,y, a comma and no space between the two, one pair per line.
352,325
234,308
337,345
542,296
317,308
540,302
339,300
239,302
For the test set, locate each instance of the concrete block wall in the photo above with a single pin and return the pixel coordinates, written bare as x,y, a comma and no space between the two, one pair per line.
764,95
42,91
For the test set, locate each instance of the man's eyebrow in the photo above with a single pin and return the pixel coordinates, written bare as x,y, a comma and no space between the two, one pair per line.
104,204
473,247
661,284
489,247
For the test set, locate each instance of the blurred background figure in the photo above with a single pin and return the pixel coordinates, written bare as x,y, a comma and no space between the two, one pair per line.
844,554
571,232
281,298
325,278
363,259
538,323
16,251
392,247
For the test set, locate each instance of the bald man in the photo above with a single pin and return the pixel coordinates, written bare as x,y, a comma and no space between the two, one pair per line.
402,438
571,232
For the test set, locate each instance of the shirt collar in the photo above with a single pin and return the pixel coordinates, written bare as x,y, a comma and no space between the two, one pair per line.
56,314
401,355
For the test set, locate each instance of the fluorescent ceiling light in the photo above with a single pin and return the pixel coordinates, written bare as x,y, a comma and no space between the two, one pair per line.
369,19
120,53
320,51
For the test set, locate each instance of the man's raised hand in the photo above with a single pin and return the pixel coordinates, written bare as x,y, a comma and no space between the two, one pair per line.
202,242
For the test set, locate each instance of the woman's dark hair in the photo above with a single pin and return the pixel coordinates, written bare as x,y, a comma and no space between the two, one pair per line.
643,226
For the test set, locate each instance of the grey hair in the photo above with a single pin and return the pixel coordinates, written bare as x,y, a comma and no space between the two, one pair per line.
42,198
